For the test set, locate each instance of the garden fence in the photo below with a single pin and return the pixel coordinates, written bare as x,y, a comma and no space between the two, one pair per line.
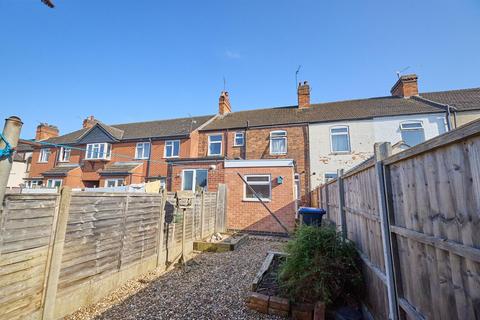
415,217
59,252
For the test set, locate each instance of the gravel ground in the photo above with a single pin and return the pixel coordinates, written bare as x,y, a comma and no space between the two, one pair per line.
213,286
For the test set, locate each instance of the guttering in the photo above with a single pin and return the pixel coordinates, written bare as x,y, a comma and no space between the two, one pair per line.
448,110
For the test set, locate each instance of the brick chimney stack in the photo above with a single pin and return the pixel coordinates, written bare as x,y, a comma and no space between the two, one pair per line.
303,92
224,103
46,131
406,86
89,122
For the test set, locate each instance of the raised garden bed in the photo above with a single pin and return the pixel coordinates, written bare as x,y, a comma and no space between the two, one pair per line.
265,296
228,242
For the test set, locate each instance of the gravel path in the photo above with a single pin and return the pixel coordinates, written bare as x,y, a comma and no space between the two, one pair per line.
214,287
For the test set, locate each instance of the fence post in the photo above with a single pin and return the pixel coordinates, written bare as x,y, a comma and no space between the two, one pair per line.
202,214
341,204
220,208
11,134
55,252
384,150
161,227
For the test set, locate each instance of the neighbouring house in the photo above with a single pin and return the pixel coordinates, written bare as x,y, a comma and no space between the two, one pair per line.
22,160
101,155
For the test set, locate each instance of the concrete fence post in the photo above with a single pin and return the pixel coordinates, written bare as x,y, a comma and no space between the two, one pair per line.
11,133
341,204
382,151
55,252
161,228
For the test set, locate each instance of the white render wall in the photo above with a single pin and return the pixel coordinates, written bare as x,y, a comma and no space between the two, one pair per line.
363,135
17,174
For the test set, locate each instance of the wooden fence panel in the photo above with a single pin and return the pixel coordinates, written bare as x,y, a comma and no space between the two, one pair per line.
25,229
333,208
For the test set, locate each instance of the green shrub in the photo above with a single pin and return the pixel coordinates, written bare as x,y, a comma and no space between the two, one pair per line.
320,266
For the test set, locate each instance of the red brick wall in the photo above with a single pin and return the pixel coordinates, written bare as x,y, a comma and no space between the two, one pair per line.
257,146
251,215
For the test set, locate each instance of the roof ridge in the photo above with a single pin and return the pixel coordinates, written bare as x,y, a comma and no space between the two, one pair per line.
453,90
160,120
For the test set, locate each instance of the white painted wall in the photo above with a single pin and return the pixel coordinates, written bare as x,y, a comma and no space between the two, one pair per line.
17,174
363,135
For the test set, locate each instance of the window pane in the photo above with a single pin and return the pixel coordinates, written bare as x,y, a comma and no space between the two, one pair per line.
278,134
340,143
413,125
110,183
413,137
202,178
215,148
263,179
263,191
188,180
215,138
279,145
176,148
339,130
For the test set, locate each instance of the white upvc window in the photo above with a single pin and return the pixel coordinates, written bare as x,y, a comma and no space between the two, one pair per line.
278,142
340,139
215,145
412,132
142,150
193,179
239,139
110,183
64,154
33,183
297,186
172,149
44,155
261,184
100,151
54,183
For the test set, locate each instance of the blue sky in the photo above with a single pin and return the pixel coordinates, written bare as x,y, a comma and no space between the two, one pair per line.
126,61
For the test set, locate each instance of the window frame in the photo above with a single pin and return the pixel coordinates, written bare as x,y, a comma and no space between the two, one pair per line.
42,153
143,157
52,184
210,143
340,134
32,184
107,151
61,154
116,182
254,199
402,128
330,173
285,137
235,139
194,179
165,155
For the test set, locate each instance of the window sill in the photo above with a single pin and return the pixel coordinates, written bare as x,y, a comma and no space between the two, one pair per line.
42,161
172,157
340,153
279,154
140,158
214,155
239,145
62,161
255,200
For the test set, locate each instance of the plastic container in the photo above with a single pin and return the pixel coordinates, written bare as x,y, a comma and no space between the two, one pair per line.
311,216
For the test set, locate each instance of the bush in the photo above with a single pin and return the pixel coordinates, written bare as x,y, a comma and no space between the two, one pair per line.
320,266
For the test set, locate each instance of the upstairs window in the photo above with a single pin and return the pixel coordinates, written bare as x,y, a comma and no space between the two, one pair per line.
215,145
262,186
142,151
101,151
172,149
340,139
412,133
278,142
64,154
44,155
239,139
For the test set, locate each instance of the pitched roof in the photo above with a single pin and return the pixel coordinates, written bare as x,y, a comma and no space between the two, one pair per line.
140,130
120,168
60,170
463,99
323,112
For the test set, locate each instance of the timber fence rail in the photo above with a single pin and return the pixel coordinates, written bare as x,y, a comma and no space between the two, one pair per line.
59,252
415,219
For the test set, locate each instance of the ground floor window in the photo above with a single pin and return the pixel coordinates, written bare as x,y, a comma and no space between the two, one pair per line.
260,184
110,183
54,183
33,183
330,176
194,179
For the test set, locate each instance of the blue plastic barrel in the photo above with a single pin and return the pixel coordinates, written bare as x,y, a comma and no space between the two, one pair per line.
311,216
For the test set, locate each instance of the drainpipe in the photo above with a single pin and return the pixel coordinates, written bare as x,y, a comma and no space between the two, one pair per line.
149,158
11,134
245,140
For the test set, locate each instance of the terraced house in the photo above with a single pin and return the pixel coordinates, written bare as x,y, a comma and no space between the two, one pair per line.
101,155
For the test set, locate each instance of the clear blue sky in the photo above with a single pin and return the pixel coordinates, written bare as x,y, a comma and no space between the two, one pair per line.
126,61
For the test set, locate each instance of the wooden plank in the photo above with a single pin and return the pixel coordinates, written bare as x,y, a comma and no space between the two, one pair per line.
52,272
410,310
362,214
263,268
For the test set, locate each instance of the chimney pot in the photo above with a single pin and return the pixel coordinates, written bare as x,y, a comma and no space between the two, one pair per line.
224,106
406,86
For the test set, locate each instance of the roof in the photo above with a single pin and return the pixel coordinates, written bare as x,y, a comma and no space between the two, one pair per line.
463,99
120,168
323,112
60,170
139,130
25,146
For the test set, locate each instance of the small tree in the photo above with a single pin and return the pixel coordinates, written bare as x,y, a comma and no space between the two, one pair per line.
320,266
